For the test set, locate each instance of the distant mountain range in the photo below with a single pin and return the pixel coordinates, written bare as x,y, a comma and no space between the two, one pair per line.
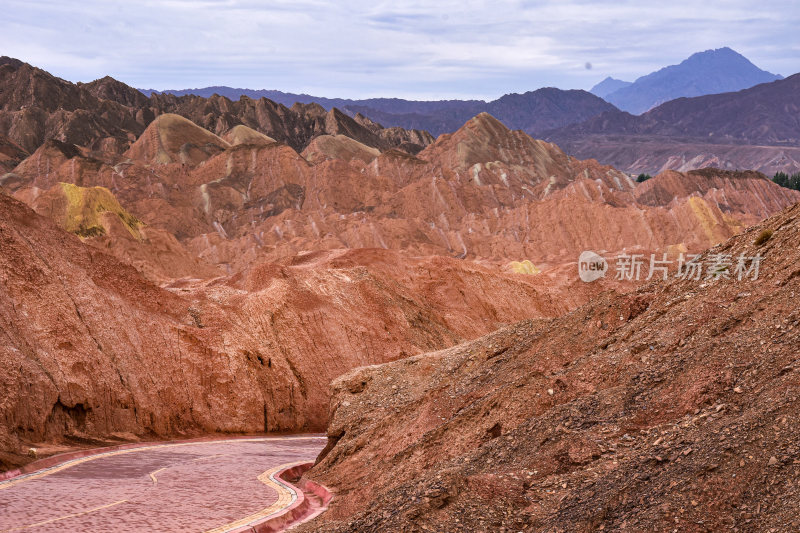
710,72
108,115
756,128
683,134
608,86
533,111
765,114
389,105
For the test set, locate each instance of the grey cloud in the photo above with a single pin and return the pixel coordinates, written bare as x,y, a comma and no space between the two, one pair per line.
376,48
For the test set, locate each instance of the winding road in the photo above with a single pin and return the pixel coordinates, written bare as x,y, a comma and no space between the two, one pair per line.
208,486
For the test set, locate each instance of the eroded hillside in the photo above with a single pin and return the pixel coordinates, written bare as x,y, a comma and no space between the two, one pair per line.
670,407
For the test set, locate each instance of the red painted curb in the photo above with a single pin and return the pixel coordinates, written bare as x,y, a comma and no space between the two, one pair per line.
303,508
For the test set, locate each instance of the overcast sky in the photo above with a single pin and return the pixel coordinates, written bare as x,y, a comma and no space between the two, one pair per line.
430,50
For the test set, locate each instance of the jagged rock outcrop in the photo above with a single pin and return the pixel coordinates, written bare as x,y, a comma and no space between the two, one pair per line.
406,140
295,126
107,88
107,115
36,106
11,155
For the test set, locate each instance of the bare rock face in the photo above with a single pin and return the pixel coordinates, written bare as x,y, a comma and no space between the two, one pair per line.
15,63
36,106
48,165
664,408
407,140
486,148
92,349
731,191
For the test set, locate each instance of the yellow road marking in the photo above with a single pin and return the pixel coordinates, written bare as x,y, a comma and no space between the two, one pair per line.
286,496
73,515
75,462
153,474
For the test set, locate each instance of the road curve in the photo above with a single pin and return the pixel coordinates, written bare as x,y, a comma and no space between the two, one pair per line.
208,486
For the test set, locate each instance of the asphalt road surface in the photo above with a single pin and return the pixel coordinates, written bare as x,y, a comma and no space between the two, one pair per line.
212,486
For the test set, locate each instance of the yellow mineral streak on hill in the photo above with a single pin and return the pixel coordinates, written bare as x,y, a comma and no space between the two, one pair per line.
84,209
523,267
708,222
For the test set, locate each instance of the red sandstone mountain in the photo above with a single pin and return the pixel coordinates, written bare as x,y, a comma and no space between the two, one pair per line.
326,147
94,351
241,134
732,192
280,271
107,115
667,408
484,192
